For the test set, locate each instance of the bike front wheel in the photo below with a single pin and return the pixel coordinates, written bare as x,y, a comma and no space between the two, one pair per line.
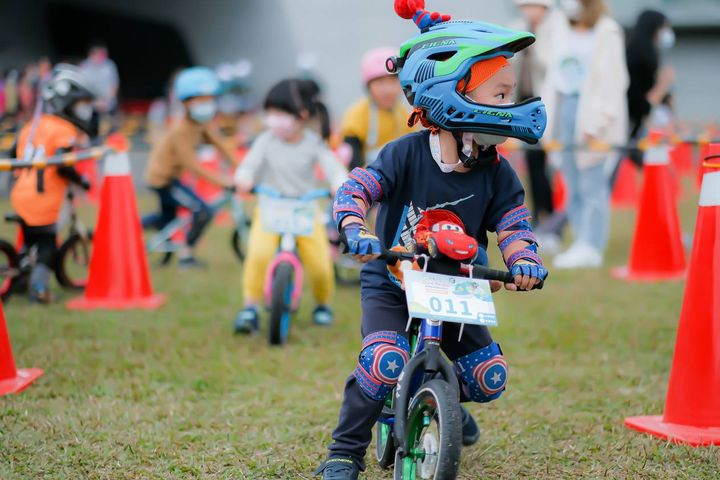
239,244
433,434
9,269
384,445
280,303
72,264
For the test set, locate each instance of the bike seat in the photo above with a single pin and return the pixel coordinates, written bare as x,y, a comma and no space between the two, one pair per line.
13,218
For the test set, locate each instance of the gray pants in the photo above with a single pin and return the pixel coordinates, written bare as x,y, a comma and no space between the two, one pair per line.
588,204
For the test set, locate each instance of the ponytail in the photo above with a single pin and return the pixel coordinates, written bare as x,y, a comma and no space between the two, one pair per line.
310,90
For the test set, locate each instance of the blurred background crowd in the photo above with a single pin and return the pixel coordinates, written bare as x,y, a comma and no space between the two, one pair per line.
643,64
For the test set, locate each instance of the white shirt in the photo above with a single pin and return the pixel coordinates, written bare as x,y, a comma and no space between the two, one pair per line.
574,61
289,168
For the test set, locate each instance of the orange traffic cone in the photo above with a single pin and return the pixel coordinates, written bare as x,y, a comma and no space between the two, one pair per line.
712,156
12,380
657,251
210,159
119,276
704,147
559,192
681,157
625,193
692,407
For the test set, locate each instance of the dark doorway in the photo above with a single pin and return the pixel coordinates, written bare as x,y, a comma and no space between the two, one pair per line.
146,51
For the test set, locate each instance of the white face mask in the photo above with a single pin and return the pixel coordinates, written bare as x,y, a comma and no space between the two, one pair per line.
572,8
488,139
203,112
436,153
282,125
83,111
666,38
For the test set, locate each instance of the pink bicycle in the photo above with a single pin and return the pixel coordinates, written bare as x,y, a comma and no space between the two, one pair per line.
290,218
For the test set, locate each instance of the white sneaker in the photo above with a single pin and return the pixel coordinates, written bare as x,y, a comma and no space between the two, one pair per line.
579,255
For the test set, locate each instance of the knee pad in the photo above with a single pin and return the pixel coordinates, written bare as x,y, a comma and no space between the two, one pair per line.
483,373
383,356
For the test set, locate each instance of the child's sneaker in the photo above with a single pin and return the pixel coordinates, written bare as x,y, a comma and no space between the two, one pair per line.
338,468
40,293
323,315
470,429
247,321
188,263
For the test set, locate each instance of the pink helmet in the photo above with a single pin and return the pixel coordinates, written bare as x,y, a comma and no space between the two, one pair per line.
373,63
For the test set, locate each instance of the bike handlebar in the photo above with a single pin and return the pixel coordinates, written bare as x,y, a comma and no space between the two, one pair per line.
478,271
309,196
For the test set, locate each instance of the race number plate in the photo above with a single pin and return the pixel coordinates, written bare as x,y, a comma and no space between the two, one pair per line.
450,299
282,215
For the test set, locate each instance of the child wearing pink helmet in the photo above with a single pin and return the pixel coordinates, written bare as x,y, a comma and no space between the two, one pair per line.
380,116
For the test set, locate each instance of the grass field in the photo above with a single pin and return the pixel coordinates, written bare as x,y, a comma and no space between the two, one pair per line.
173,394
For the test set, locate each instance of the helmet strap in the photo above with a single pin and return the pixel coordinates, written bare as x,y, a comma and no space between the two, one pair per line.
420,115
484,157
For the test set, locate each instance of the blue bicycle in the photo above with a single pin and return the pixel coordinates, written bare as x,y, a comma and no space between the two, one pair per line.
162,245
420,429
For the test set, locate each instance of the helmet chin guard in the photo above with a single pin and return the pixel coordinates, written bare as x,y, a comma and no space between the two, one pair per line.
525,121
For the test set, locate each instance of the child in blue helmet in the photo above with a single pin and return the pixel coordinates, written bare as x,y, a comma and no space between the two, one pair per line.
457,77
197,88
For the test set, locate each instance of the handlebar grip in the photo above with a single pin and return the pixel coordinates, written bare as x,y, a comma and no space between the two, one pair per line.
486,273
501,275
393,256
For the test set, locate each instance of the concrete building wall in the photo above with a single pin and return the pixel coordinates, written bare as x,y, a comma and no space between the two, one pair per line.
274,33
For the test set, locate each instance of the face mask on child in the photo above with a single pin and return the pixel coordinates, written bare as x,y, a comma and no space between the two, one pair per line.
83,111
666,38
436,153
281,125
488,138
203,112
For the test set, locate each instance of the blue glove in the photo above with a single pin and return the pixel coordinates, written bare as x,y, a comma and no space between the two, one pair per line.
358,241
531,270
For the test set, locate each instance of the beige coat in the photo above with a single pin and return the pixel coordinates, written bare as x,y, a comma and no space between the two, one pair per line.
541,51
602,108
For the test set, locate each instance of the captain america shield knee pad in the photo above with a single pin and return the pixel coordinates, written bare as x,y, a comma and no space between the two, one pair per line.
384,355
483,373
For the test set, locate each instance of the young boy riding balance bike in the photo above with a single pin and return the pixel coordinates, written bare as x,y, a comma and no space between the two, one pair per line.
456,76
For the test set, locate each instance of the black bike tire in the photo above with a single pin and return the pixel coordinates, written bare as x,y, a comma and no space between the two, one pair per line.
13,259
238,245
159,258
449,418
282,280
385,451
61,273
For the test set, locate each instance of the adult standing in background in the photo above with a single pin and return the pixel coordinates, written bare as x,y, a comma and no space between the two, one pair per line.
541,18
104,75
585,94
27,92
649,83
